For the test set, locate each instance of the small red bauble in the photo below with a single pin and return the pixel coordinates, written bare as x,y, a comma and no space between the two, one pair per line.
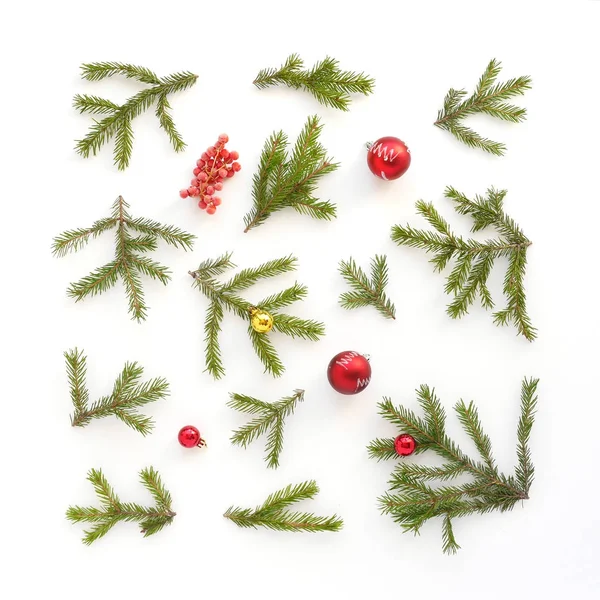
349,372
189,437
388,158
405,444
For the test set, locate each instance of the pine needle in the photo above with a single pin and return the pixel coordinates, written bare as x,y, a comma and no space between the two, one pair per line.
474,260
128,264
411,502
284,181
151,519
117,123
488,98
272,514
325,81
270,417
367,291
224,296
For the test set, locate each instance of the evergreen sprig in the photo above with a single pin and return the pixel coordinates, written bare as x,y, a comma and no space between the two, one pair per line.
411,501
474,260
117,123
325,81
151,519
367,291
128,264
224,296
489,98
127,395
284,181
270,417
273,513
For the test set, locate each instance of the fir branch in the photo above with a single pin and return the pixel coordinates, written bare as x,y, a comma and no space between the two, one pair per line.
117,123
474,260
76,372
524,471
128,264
489,98
271,416
151,519
411,502
325,81
367,292
223,296
273,514
285,181
127,395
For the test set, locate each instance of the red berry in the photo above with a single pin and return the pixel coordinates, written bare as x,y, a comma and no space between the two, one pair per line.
184,193
211,151
194,191
203,176
228,160
194,181
236,166
224,138
204,157
230,173
222,172
211,210
202,204
234,155
216,200
210,190
196,171
200,163
219,186
224,153
189,437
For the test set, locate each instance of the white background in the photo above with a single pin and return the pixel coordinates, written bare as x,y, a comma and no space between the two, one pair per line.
547,548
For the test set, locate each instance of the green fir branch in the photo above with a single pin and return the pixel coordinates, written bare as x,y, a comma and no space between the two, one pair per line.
474,260
273,514
411,502
117,122
151,519
270,417
367,291
325,81
488,98
289,181
128,264
224,297
128,394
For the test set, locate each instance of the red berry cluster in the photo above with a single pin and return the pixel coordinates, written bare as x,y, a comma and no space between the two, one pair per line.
212,168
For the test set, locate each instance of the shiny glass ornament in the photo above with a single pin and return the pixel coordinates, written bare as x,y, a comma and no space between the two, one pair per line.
405,444
261,320
388,157
349,372
189,437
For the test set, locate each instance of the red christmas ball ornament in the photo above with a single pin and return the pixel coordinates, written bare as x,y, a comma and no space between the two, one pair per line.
388,157
349,372
189,437
405,444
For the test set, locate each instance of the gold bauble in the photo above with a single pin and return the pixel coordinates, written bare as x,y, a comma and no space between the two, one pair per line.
261,320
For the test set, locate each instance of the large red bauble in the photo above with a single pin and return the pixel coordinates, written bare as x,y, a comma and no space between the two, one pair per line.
189,437
388,158
405,444
349,372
